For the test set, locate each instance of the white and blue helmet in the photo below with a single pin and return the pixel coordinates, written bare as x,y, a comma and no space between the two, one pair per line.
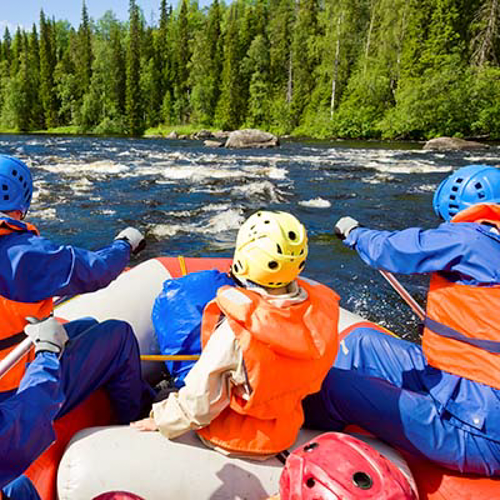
16,185
466,187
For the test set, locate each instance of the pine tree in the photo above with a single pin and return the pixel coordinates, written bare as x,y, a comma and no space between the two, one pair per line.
206,68
181,57
230,109
485,44
135,118
47,67
305,59
118,69
6,47
85,57
36,119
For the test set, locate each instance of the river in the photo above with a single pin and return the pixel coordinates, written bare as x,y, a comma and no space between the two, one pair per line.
189,199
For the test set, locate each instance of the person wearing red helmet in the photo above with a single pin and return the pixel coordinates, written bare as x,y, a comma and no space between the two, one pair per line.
442,400
48,381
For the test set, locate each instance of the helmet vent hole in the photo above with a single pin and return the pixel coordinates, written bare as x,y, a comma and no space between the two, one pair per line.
5,187
6,197
292,235
453,197
481,195
21,178
279,249
310,446
272,265
454,188
459,180
478,185
310,482
14,173
362,480
25,184
301,252
267,221
302,264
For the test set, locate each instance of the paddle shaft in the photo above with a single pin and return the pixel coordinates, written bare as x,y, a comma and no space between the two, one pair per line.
403,292
15,356
169,357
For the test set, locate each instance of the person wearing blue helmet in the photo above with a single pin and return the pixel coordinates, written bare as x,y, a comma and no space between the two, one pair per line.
441,400
56,375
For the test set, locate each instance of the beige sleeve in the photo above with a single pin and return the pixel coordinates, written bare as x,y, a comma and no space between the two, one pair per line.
208,386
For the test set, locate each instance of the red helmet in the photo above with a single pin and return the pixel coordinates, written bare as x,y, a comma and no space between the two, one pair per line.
340,466
117,495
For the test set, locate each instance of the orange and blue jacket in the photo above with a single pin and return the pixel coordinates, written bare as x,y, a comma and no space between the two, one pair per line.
462,332
287,352
33,270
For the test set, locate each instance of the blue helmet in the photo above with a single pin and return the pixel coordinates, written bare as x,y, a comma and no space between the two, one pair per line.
466,187
16,185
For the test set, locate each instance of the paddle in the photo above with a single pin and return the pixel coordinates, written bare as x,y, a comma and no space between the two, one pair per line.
169,357
404,294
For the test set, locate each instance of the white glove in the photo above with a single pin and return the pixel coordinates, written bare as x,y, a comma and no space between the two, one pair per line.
47,334
134,237
344,226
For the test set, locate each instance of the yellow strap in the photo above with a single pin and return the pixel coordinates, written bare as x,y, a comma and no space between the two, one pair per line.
169,357
182,264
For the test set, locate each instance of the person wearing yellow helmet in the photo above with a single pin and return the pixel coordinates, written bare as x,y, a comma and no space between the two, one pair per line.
262,323
271,249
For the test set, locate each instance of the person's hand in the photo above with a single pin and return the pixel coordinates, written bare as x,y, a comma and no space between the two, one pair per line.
146,424
134,237
344,226
47,334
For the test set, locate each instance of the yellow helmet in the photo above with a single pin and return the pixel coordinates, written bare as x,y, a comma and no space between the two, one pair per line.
271,249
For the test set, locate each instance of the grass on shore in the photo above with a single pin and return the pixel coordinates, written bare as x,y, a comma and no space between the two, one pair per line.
160,131
165,130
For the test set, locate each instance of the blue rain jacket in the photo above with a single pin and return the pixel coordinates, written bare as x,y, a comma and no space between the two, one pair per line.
33,268
457,413
97,355
177,314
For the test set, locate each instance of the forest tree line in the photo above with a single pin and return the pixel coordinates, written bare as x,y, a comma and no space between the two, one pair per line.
326,68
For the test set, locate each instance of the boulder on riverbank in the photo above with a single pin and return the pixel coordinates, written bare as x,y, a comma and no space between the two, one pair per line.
210,143
453,143
202,135
251,138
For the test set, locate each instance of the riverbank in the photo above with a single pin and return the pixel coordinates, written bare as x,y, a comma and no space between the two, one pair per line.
188,131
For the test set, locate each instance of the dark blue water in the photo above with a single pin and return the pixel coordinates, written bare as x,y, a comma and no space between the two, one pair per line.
190,200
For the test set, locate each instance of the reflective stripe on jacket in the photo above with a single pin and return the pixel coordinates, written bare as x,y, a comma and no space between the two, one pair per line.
13,314
287,353
462,333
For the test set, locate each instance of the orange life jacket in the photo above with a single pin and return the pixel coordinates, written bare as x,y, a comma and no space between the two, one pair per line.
461,329
13,314
287,352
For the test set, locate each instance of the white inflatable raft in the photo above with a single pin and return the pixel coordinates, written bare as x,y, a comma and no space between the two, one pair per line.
103,459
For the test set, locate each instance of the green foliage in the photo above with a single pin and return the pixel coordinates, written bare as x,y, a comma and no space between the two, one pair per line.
435,104
323,68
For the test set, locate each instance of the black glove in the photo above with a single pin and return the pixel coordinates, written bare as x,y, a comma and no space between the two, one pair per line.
47,334
344,226
134,237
